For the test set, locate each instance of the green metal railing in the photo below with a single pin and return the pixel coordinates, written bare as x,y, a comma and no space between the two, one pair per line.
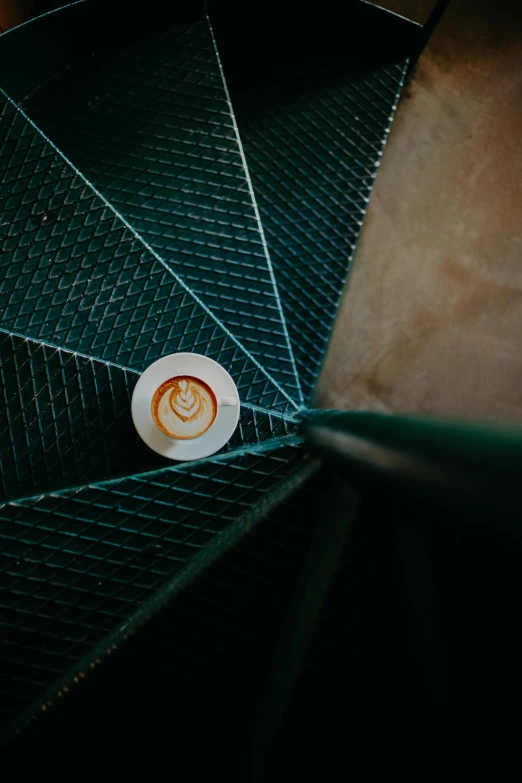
475,465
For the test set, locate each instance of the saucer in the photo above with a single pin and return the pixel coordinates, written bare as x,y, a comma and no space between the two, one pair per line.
208,371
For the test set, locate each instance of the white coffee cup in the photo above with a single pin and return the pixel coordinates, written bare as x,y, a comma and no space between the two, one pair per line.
197,440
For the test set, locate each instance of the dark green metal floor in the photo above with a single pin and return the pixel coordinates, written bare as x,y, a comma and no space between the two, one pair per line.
169,189
149,124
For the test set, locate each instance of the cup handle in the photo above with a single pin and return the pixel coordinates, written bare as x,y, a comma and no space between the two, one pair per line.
224,402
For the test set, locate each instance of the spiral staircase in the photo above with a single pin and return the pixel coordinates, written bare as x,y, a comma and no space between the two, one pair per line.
196,181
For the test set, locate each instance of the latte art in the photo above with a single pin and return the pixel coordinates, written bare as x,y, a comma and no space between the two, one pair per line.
184,401
184,407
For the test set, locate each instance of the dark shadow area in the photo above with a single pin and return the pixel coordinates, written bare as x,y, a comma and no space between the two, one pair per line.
185,686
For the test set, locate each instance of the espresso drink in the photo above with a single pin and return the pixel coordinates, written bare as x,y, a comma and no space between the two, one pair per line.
184,407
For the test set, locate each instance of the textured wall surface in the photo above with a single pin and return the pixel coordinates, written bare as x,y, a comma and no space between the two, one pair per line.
432,314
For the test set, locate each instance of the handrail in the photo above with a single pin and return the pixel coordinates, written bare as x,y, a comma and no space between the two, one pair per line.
474,464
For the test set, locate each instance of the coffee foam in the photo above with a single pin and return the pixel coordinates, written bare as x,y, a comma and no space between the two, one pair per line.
184,407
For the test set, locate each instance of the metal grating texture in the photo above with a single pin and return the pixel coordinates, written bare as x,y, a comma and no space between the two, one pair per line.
211,645
94,529
150,125
77,563
65,419
73,275
313,134
231,615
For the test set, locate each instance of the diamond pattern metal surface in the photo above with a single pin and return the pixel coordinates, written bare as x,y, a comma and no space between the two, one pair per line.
72,274
231,615
65,420
165,252
77,562
313,136
150,125
211,644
